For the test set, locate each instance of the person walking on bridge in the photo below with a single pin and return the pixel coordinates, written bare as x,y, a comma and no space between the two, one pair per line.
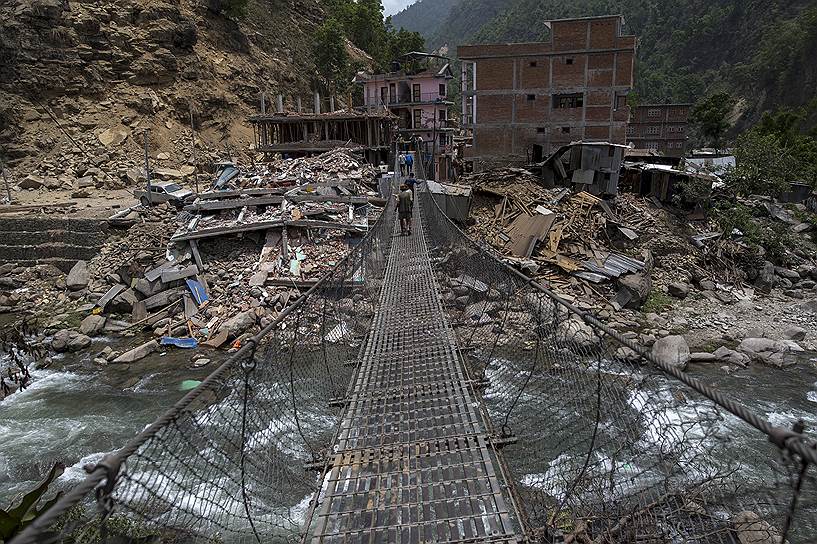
402,162
410,164
405,204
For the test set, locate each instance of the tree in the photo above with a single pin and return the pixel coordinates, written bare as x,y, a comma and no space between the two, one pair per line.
711,116
401,42
764,165
330,53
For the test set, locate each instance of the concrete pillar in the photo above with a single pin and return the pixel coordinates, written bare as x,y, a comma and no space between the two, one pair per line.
263,103
332,103
300,107
280,103
317,102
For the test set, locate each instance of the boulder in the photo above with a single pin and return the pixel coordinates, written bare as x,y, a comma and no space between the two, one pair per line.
636,288
678,290
707,285
92,325
786,273
575,332
123,302
672,350
765,278
751,529
31,182
148,288
627,355
259,278
238,324
86,182
78,277
114,136
731,356
795,333
137,353
768,351
69,341
702,357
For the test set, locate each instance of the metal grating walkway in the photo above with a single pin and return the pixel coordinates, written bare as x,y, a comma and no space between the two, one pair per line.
411,462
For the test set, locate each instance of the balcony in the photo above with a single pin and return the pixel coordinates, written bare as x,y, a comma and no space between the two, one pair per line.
408,99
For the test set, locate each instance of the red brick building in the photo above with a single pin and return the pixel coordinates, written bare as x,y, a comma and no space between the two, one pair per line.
660,127
523,101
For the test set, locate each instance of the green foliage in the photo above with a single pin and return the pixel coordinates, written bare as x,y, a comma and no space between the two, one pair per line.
235,8
774,238
711,117
400,42
686,48
330,53
656,302
773,154
17,517
362,23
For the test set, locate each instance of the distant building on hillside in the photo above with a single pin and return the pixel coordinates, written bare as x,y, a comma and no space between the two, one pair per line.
525,100
660,127
416,91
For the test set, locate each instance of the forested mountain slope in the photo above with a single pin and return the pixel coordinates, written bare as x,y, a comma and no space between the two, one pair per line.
759,49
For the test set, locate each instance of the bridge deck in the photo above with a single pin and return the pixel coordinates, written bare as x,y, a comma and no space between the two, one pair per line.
411,462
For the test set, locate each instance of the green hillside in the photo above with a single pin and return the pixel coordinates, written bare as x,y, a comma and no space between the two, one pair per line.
760,50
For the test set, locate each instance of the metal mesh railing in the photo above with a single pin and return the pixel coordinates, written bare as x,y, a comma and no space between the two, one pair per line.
603,444
237,459
600,444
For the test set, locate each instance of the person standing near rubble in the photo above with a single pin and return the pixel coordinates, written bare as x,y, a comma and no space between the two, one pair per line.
405,204
410,164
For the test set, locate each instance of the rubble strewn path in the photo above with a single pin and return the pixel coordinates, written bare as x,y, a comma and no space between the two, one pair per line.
411,461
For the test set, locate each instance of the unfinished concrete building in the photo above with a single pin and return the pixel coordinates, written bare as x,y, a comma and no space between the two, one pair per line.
523,101
305,134
660,127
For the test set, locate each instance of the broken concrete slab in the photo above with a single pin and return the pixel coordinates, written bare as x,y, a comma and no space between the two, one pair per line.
176,274
164,298
109,295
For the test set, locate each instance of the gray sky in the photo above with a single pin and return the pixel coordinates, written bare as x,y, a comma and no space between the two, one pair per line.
393,6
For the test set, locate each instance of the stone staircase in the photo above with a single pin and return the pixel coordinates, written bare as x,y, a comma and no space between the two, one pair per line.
57,241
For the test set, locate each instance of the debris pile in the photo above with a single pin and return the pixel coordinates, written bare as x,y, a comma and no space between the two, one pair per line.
338,165
610,254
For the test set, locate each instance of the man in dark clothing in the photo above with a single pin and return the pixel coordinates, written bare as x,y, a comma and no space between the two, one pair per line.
405,204
411,182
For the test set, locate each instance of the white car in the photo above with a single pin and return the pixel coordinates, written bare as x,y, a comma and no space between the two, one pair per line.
164,191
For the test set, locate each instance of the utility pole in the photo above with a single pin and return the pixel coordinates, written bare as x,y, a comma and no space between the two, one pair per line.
193,137
147,166
6,181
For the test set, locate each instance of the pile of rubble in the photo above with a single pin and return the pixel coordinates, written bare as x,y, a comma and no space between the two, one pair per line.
612,254
221,268
338,165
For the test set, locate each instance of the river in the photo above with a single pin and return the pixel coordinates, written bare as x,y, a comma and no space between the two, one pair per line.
75,411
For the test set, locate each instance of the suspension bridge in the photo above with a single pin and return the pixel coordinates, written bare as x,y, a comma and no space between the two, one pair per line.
423,391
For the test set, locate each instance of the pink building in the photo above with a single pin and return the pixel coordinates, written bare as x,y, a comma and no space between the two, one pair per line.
416,91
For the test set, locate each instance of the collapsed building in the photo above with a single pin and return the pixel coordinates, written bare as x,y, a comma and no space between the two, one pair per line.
307,134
